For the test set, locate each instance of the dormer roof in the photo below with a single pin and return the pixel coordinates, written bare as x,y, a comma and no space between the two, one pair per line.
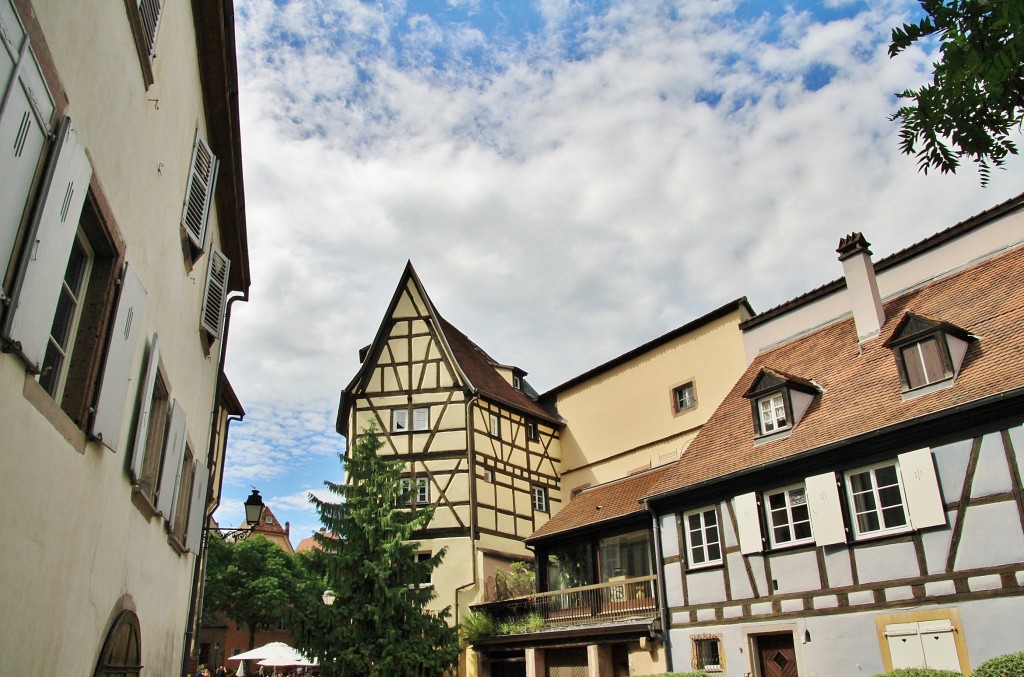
769,379
861,394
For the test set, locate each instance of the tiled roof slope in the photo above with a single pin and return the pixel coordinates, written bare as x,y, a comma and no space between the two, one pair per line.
602,503
478,367
860,381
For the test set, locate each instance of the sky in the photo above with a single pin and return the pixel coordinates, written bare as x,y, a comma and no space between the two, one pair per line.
570,179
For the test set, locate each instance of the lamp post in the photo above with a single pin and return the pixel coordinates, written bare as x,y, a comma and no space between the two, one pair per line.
253,513
328,597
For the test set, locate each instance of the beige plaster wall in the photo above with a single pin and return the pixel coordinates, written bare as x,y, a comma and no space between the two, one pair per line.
623,419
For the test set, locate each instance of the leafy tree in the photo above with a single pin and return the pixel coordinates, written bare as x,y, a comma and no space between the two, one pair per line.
379,625
251,581
976,98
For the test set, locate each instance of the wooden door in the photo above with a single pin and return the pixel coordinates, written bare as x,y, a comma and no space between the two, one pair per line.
776,655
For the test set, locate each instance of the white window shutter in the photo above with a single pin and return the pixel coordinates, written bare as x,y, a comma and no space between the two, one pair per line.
749,522
119,369
25,111
202,179
921,489
152,363
197,508
51,235
216,293
149,11
826,509
170,472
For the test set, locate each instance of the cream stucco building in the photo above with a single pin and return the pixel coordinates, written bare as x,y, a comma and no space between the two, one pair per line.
122,236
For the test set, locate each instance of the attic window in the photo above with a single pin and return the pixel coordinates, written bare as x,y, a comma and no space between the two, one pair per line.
927,352
778,401
517,383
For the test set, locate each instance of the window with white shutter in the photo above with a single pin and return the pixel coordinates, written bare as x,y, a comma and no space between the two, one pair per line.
216,294
202,178
197,507
173,458
144,18
421,418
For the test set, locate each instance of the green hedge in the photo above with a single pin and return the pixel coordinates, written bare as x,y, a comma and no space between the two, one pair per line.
1008,665
919,672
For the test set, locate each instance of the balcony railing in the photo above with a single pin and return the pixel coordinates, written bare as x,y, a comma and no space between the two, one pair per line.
613,601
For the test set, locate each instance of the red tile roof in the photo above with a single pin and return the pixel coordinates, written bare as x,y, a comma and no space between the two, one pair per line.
603,503
860,380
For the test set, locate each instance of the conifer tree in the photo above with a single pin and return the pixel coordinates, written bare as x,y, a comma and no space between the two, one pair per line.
379,625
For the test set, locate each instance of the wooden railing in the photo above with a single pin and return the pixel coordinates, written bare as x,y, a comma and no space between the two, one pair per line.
604,602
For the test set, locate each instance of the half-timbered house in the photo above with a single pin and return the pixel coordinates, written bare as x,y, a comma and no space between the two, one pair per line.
855,504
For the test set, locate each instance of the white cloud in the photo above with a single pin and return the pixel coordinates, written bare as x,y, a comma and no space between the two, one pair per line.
564,197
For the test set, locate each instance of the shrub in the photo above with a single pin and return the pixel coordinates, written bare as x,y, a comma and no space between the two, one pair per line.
516,581
1007,665
476,625
920,672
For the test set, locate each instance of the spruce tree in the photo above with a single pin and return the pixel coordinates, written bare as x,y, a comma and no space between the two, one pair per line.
379,625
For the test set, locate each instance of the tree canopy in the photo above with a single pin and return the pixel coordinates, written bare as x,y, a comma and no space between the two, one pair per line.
976,97
379,625
252,581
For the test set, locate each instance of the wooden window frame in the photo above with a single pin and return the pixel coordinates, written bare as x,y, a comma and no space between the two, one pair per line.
687,385
539,498
705,544
759,420
883,530
769,514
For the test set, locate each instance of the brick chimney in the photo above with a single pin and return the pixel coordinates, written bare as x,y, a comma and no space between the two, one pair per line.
865,300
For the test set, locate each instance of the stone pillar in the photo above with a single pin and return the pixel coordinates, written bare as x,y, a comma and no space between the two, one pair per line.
599,660
535,663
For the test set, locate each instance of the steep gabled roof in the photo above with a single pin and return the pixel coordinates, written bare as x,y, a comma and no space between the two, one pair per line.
475,368
860,381
602,504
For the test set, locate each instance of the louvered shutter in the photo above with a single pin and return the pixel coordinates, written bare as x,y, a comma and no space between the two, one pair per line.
921,487
197,508
170,471
119,369
202,178
149,12
216,293
748,522
826,510
152,363
51,235
25,111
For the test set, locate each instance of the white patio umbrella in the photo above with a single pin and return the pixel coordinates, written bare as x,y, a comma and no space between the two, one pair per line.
272,650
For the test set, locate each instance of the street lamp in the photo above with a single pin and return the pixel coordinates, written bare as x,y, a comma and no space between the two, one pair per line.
329,597
253,512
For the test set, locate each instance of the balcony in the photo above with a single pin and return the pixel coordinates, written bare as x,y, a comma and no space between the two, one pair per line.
617,601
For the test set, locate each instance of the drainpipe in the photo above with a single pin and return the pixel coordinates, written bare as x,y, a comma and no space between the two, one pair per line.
211,455
662,595
472,499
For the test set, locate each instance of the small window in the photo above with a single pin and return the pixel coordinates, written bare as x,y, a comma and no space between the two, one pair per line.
517,383
421,418
703,539
422,490
488,476
684,397
789,519
179,523
419,496
400,420
877,500
151,451
923,363
707,653
495,428
531,432
540,498
423,577
772,413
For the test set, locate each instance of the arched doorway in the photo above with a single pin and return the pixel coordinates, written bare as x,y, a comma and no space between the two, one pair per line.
122,652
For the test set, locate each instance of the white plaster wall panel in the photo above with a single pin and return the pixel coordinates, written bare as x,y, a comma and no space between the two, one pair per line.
669,535
674,584
760,577
738,579
991,536
826,602
705,587
989,582
861,597
992,627
449,440
951,465
939,588
729,537
704,615
899,593
936,545
837,566
842,645
735,611
791,605
886,562
1017,441
761,609
992,475
795,572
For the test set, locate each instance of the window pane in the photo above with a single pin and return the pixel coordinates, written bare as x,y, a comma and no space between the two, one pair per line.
894,516
867,522
861,482
931,358
714,552
886,476
781,534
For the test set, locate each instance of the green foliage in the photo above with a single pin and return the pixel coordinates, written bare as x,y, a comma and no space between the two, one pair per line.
517,626
476,625
1007,665
516,581
920,672
379,625
251,581
976,97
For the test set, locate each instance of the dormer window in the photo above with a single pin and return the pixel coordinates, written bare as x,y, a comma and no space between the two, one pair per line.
778,401
517,382
927,352
772,414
